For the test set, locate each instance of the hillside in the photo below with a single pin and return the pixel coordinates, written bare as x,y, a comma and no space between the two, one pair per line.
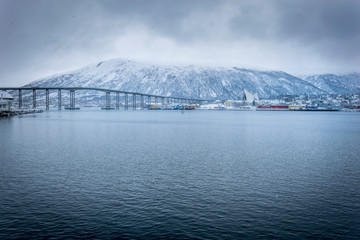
181,80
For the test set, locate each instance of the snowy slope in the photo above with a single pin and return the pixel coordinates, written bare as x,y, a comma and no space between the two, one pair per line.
336,84
181,81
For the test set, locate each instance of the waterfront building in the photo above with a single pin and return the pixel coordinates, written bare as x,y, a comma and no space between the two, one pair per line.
249,98
5,101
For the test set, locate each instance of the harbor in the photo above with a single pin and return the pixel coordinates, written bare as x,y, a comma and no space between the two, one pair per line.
19,112
18,102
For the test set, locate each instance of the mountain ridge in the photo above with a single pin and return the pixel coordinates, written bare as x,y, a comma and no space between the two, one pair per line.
336,83
186,80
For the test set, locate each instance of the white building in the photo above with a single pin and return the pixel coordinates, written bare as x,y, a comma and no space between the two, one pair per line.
5,101
248,97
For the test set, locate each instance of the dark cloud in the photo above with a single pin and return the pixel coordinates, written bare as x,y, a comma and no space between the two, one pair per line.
35,31
167,18
39,36
331,27
252,20
318,20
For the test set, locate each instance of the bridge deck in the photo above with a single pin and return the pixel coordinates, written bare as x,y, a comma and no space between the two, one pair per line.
163,99
95,89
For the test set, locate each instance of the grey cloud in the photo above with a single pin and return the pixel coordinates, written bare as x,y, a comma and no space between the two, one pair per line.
33,31
163,17
252,20
37,26
328,28
36,33
320,19
32,28
301,20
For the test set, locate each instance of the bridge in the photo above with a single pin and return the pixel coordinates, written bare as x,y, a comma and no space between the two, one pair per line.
163,99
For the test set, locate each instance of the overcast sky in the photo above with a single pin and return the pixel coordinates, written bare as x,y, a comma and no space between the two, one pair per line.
43,37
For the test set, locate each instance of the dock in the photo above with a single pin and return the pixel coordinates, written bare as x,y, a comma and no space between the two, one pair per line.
19,112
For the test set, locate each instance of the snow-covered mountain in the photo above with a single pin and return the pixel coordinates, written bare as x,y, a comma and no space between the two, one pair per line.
336,84
181,80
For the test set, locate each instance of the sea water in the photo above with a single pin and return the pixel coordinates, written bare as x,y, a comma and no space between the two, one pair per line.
180,175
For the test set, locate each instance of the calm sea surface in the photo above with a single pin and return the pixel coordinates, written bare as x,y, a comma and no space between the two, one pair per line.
173,175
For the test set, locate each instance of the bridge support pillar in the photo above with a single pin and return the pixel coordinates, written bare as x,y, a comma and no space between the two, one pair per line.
107,100
142,102
126,101
47,99
59,99
117,101
134,101
20,98
156,100
72,99
149,100
34,98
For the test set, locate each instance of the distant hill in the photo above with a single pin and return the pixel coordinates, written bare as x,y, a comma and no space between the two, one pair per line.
181,81
197,81
336,83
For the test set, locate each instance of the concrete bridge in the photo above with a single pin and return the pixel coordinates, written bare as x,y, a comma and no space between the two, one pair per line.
151,99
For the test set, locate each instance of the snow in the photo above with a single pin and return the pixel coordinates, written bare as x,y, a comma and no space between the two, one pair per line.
194,81
336,83
5,95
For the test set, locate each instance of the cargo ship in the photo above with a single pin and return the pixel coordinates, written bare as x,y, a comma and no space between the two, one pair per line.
156,107
272,108
177,107
312,108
